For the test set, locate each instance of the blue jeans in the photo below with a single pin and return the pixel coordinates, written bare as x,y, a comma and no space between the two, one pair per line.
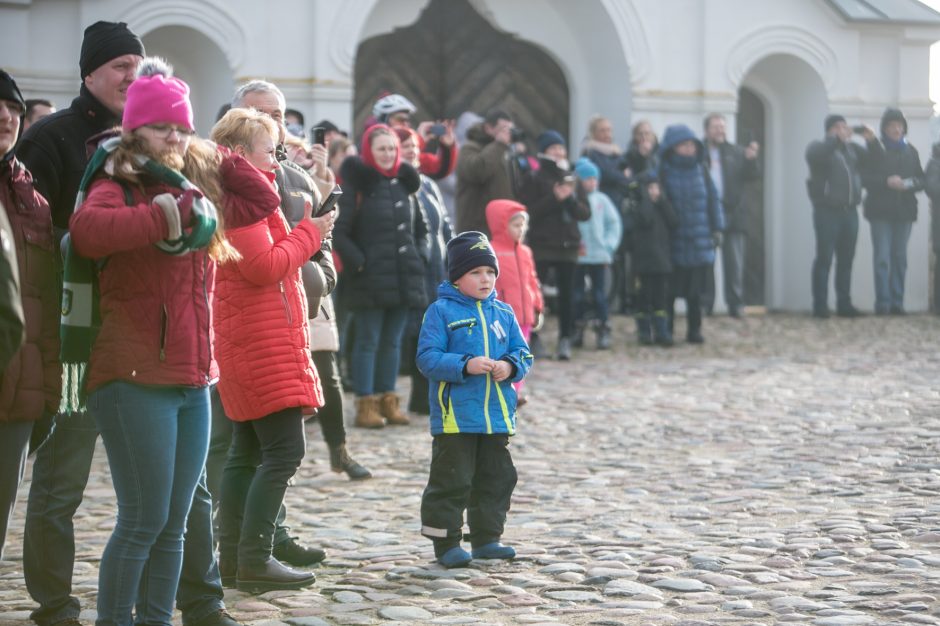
156,439
60,473
376,351
598,275
836,234
889,257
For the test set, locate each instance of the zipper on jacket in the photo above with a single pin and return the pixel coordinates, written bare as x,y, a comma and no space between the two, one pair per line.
290,318
164,322
205,294
489,379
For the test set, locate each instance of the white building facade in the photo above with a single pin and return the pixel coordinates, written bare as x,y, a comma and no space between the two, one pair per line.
666,61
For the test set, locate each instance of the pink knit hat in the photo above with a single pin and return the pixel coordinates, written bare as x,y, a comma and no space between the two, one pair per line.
157,97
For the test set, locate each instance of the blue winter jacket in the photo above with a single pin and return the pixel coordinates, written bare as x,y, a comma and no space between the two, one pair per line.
692,194
457,328
600,235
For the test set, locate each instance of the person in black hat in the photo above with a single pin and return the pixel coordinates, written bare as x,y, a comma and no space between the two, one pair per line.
30,372
835,190
471,349
54,150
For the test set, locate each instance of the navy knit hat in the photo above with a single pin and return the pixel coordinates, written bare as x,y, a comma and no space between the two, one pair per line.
469,250
549,138
105,41
832,120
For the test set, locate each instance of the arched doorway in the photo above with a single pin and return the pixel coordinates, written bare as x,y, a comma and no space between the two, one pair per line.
201,63
794,102
750,127
453,60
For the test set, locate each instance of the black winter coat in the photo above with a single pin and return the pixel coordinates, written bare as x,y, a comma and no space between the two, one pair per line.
835,181
553,224
381,237
882,202
653,224
736,169
54,151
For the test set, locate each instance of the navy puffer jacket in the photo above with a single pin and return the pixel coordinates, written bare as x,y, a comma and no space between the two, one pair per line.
690,190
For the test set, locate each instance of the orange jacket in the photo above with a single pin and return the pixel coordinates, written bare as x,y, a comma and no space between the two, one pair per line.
517,284
260,310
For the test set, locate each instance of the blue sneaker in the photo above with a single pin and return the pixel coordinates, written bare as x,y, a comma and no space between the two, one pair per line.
455,557
494,550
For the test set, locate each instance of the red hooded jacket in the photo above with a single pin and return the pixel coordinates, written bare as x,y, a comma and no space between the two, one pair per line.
517,284
262,341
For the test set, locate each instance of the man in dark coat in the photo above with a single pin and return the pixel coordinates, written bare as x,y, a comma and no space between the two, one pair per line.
892,176
54,149
730,167
835,189
485,171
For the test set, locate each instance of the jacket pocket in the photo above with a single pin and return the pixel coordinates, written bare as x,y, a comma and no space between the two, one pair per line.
284,299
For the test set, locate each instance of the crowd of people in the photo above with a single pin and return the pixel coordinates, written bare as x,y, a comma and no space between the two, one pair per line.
196,301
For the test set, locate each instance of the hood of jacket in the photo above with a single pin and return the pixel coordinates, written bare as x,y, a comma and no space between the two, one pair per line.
893,115
360,175
676,134
478,134
498,214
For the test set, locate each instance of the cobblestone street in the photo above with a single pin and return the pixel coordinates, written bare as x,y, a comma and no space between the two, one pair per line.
786,472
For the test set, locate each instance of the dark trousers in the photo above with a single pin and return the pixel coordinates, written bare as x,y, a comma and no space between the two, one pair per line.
564,280
687,283
418,401
651,295
14,441
836,234
220,440
468,472
264,456
60,473
330,414
597,273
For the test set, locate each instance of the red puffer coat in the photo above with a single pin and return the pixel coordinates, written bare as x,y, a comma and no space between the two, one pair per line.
262,341
517,284
32,382
155,307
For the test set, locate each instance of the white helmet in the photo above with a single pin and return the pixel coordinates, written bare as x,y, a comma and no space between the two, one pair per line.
392,103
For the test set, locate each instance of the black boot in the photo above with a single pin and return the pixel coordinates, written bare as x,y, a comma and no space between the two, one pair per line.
340,461
603,336
272,575
577,340
228,568
295,553
661,333
644,331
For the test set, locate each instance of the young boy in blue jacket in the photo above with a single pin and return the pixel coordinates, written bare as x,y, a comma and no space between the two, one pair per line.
471,350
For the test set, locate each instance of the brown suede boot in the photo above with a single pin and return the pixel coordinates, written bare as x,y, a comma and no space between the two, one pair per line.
367,412
388,407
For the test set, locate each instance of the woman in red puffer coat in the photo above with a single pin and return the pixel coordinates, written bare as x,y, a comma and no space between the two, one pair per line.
267,380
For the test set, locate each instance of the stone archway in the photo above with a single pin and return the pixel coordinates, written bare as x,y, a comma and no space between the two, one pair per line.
198,61
453,60
795,102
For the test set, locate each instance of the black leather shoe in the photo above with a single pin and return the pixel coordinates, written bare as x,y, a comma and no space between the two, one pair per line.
216,618
271,576
296,554
695,338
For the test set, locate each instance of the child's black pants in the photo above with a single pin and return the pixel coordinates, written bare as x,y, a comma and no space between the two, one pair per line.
469,472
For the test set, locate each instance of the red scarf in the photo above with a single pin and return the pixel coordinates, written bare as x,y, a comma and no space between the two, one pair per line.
369,159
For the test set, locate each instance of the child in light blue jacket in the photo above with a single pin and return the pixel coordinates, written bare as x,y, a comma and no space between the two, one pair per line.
471,350
600,238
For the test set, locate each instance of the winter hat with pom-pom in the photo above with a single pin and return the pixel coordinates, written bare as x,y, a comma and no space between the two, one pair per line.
157,97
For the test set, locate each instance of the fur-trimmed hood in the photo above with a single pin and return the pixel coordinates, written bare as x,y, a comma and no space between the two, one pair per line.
362,177
608,149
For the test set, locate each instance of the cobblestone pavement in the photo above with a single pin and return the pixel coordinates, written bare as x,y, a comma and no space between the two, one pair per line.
786,472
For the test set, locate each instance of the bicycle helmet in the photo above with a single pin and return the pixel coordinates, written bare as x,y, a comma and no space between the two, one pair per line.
392,103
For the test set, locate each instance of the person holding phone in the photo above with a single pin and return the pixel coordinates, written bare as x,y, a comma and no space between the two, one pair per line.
437,141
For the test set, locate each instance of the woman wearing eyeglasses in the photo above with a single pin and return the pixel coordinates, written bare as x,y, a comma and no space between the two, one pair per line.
151,364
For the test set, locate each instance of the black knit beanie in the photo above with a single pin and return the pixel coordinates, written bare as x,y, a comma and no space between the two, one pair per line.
9,90
469,250
105,41
832,120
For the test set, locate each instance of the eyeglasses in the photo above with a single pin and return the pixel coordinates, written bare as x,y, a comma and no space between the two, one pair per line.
163,131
